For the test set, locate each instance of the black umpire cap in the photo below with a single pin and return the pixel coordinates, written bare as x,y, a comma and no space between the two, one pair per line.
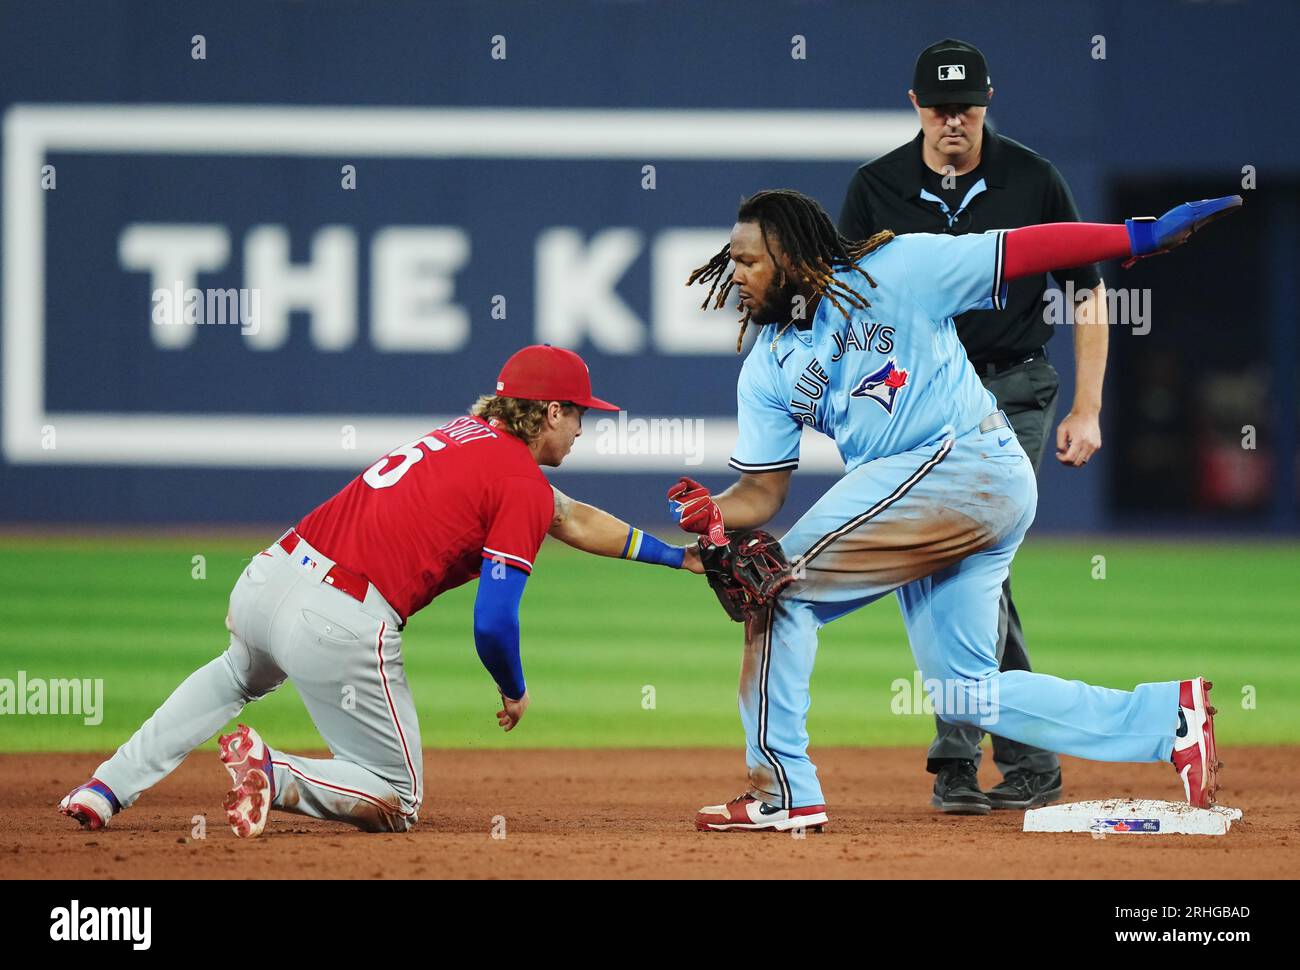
951,72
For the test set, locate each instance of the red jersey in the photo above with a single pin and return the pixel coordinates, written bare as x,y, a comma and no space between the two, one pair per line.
420,520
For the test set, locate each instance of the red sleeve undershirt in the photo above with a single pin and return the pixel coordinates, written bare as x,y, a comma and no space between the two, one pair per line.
1060,245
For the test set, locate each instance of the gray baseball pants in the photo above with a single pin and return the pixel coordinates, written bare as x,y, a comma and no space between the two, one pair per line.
345,659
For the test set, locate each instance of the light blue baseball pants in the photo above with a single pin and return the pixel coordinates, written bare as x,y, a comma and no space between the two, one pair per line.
940,525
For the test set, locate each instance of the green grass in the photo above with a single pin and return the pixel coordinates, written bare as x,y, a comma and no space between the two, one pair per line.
596,632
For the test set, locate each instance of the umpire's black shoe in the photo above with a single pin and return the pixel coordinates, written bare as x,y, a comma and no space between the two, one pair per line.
1026,789
957,790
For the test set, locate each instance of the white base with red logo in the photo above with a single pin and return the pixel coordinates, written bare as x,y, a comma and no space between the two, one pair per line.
1131,816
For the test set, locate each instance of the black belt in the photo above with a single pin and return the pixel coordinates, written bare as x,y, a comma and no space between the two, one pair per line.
992,368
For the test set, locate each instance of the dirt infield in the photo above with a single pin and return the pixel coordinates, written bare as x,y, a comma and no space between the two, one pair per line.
628,814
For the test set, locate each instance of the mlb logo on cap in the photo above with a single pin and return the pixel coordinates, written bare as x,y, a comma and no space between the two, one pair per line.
951,72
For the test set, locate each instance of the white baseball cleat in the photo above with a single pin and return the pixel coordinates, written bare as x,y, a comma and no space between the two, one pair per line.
1194,756
746,813
248,803
91,804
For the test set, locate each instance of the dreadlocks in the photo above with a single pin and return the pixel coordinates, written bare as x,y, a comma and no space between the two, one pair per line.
815,249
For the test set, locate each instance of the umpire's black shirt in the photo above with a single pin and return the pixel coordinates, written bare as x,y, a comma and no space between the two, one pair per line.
1019,188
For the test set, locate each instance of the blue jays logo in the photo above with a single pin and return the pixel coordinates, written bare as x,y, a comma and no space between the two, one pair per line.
882,386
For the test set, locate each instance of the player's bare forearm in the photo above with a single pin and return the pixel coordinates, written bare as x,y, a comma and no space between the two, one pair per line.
1078,436
586,527
754,500
598,532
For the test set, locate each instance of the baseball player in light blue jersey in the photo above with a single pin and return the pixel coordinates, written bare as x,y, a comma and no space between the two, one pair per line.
858,342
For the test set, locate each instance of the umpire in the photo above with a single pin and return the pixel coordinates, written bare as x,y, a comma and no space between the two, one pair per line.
957,176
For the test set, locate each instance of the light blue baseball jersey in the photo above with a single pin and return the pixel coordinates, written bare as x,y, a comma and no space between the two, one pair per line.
885,379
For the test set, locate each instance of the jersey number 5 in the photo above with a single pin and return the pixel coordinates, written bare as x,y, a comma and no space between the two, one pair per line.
383,475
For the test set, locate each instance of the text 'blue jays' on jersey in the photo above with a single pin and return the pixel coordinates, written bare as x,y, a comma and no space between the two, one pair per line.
888,378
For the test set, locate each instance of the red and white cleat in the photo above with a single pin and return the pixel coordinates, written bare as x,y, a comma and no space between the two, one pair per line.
746,813
91,804
248,802
1195,759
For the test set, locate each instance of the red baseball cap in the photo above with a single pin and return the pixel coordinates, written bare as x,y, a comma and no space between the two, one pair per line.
545,373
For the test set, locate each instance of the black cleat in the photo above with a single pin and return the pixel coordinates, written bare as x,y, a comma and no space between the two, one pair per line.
1021,790
957,790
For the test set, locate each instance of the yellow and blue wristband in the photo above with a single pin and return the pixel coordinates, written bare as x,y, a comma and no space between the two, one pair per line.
644,547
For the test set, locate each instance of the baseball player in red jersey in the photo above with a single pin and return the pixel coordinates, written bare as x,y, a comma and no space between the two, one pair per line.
325,605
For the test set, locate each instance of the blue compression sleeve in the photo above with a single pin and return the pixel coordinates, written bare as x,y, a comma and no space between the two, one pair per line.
496,625
644,547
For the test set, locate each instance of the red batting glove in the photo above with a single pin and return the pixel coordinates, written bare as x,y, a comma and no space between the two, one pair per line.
696,511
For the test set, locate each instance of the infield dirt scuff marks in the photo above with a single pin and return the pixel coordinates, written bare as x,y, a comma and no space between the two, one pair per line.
629,814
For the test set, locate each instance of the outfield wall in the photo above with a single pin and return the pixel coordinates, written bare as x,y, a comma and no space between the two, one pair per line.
408,206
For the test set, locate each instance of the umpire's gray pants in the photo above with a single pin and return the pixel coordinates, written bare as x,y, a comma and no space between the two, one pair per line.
345,659
1027,393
